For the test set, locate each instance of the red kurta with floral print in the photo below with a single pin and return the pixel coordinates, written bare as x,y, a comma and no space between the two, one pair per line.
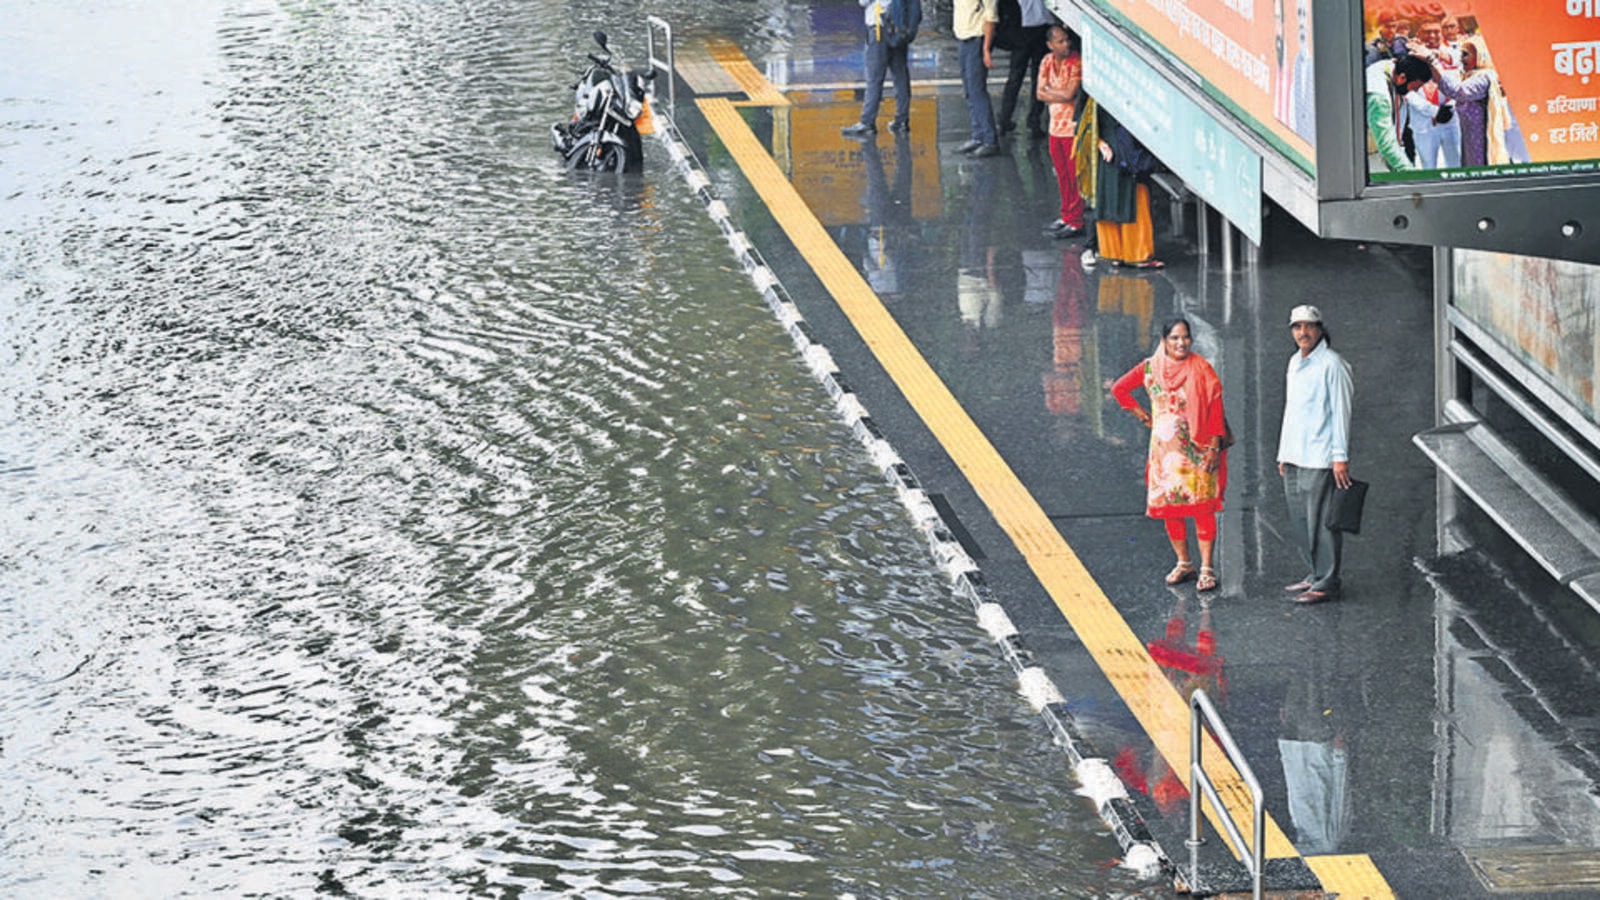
1186,418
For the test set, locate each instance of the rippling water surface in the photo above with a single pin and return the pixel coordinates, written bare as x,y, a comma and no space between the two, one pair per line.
388,512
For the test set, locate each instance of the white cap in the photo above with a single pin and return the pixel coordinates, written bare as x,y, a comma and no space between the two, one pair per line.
1305,313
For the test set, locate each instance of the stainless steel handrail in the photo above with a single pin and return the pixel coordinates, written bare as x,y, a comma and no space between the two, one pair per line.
1202,712
669,64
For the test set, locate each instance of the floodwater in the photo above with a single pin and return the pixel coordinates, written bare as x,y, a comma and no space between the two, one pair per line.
386,511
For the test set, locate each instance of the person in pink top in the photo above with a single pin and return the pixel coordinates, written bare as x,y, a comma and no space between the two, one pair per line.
1060,85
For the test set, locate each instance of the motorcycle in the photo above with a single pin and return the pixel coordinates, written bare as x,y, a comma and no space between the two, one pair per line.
611,110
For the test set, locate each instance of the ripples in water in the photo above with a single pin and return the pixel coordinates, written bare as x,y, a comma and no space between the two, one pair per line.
390,513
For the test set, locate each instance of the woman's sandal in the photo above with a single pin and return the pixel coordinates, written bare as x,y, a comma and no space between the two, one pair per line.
1208,579
1181,572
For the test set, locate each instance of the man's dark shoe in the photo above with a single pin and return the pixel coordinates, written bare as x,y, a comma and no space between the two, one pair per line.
985,150
899,127
1310,597
859,130
1299,587
1007,127
969,146
1067,234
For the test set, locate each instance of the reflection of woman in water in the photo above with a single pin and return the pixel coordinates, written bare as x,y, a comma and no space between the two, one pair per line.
1189,667
1481,103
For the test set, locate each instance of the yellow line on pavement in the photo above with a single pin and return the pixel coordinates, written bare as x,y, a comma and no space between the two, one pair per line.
1351,877
1144,687
744,73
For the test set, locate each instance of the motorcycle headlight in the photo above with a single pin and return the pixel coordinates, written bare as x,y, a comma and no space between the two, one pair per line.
634,108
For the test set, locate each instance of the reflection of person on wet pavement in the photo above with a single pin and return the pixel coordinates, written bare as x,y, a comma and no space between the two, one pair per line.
1190,667
1065,384
1314,451
881,58
1315,758
888,216
1186,470
1060,84
1125,230
1124,324
978,276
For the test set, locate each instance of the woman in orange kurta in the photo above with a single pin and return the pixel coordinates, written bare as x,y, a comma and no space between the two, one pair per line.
1186,471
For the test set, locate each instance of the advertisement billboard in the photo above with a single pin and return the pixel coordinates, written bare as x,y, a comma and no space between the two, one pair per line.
1468,89
1543,313
1210,160
1252,57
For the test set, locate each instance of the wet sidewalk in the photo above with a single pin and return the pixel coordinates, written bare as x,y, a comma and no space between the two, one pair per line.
1438,718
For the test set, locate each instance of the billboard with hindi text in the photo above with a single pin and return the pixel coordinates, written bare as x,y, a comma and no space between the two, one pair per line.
1254,57
1521,79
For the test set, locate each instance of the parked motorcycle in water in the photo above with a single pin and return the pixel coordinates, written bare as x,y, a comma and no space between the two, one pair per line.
611,109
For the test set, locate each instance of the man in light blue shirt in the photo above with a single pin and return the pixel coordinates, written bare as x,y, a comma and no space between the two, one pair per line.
1314,451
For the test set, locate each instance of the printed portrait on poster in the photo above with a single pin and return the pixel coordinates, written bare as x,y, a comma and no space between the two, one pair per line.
1472,89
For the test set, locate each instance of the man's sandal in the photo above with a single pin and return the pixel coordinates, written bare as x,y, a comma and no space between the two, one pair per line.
1208,579
1181,572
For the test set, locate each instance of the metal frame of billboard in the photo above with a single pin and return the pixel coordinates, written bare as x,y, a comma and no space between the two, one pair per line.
1282,179
1554,216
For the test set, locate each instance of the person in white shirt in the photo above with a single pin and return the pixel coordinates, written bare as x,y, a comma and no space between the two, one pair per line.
1314,451
973,24
1437,133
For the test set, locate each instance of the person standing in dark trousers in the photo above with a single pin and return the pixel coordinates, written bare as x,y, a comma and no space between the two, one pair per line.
974,24
883,58
1314,451
1028,47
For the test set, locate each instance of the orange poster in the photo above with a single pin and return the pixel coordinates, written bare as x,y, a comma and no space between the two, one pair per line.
1254,56
1527,75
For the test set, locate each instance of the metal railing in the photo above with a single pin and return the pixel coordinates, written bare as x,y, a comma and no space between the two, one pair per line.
1201,713
666,64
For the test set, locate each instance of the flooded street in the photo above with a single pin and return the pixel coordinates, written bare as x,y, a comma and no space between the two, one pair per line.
386,511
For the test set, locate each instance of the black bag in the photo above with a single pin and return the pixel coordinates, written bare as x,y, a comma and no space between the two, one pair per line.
1344,507
901,22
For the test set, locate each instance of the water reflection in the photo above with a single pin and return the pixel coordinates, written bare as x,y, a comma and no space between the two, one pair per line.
389,512
886,207
1314,747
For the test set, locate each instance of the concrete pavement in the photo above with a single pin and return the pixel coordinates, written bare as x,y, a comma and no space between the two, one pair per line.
1437,720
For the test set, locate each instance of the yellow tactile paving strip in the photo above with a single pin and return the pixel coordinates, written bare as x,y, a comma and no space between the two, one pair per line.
755,85
1351,877
1159,707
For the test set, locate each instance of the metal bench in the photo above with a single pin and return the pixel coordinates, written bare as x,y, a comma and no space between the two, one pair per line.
1562,538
